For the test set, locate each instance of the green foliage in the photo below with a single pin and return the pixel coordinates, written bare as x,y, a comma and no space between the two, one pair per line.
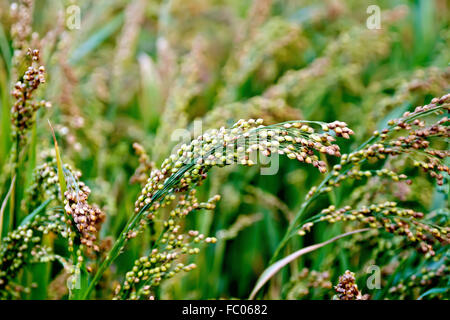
145,96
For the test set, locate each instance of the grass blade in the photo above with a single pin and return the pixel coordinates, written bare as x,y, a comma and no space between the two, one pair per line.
277,266
96,39
35,212
4,203
61,179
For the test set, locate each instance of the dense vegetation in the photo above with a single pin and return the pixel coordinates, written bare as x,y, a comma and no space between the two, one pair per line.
208,149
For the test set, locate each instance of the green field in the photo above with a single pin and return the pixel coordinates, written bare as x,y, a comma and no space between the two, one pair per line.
224,149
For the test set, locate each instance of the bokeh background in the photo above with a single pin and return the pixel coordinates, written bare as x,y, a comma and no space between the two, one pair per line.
134,71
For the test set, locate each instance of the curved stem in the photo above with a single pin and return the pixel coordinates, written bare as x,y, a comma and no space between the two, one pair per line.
4,203
112,255
276,267
120,242
305,204
294,222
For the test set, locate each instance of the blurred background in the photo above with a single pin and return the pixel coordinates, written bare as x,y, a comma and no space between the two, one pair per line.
120,72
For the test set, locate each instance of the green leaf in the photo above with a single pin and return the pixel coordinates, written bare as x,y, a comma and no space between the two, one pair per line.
96,39
431,291
277,266
61,179
35,212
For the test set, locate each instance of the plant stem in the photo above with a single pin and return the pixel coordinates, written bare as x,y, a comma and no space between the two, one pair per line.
305,204
112,255
273,269
5,201
294,222
120,242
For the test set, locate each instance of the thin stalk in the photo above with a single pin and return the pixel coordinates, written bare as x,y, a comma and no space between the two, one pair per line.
112,255
120,242
5,201
294,222
72,225
305,204
15,173
276,267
